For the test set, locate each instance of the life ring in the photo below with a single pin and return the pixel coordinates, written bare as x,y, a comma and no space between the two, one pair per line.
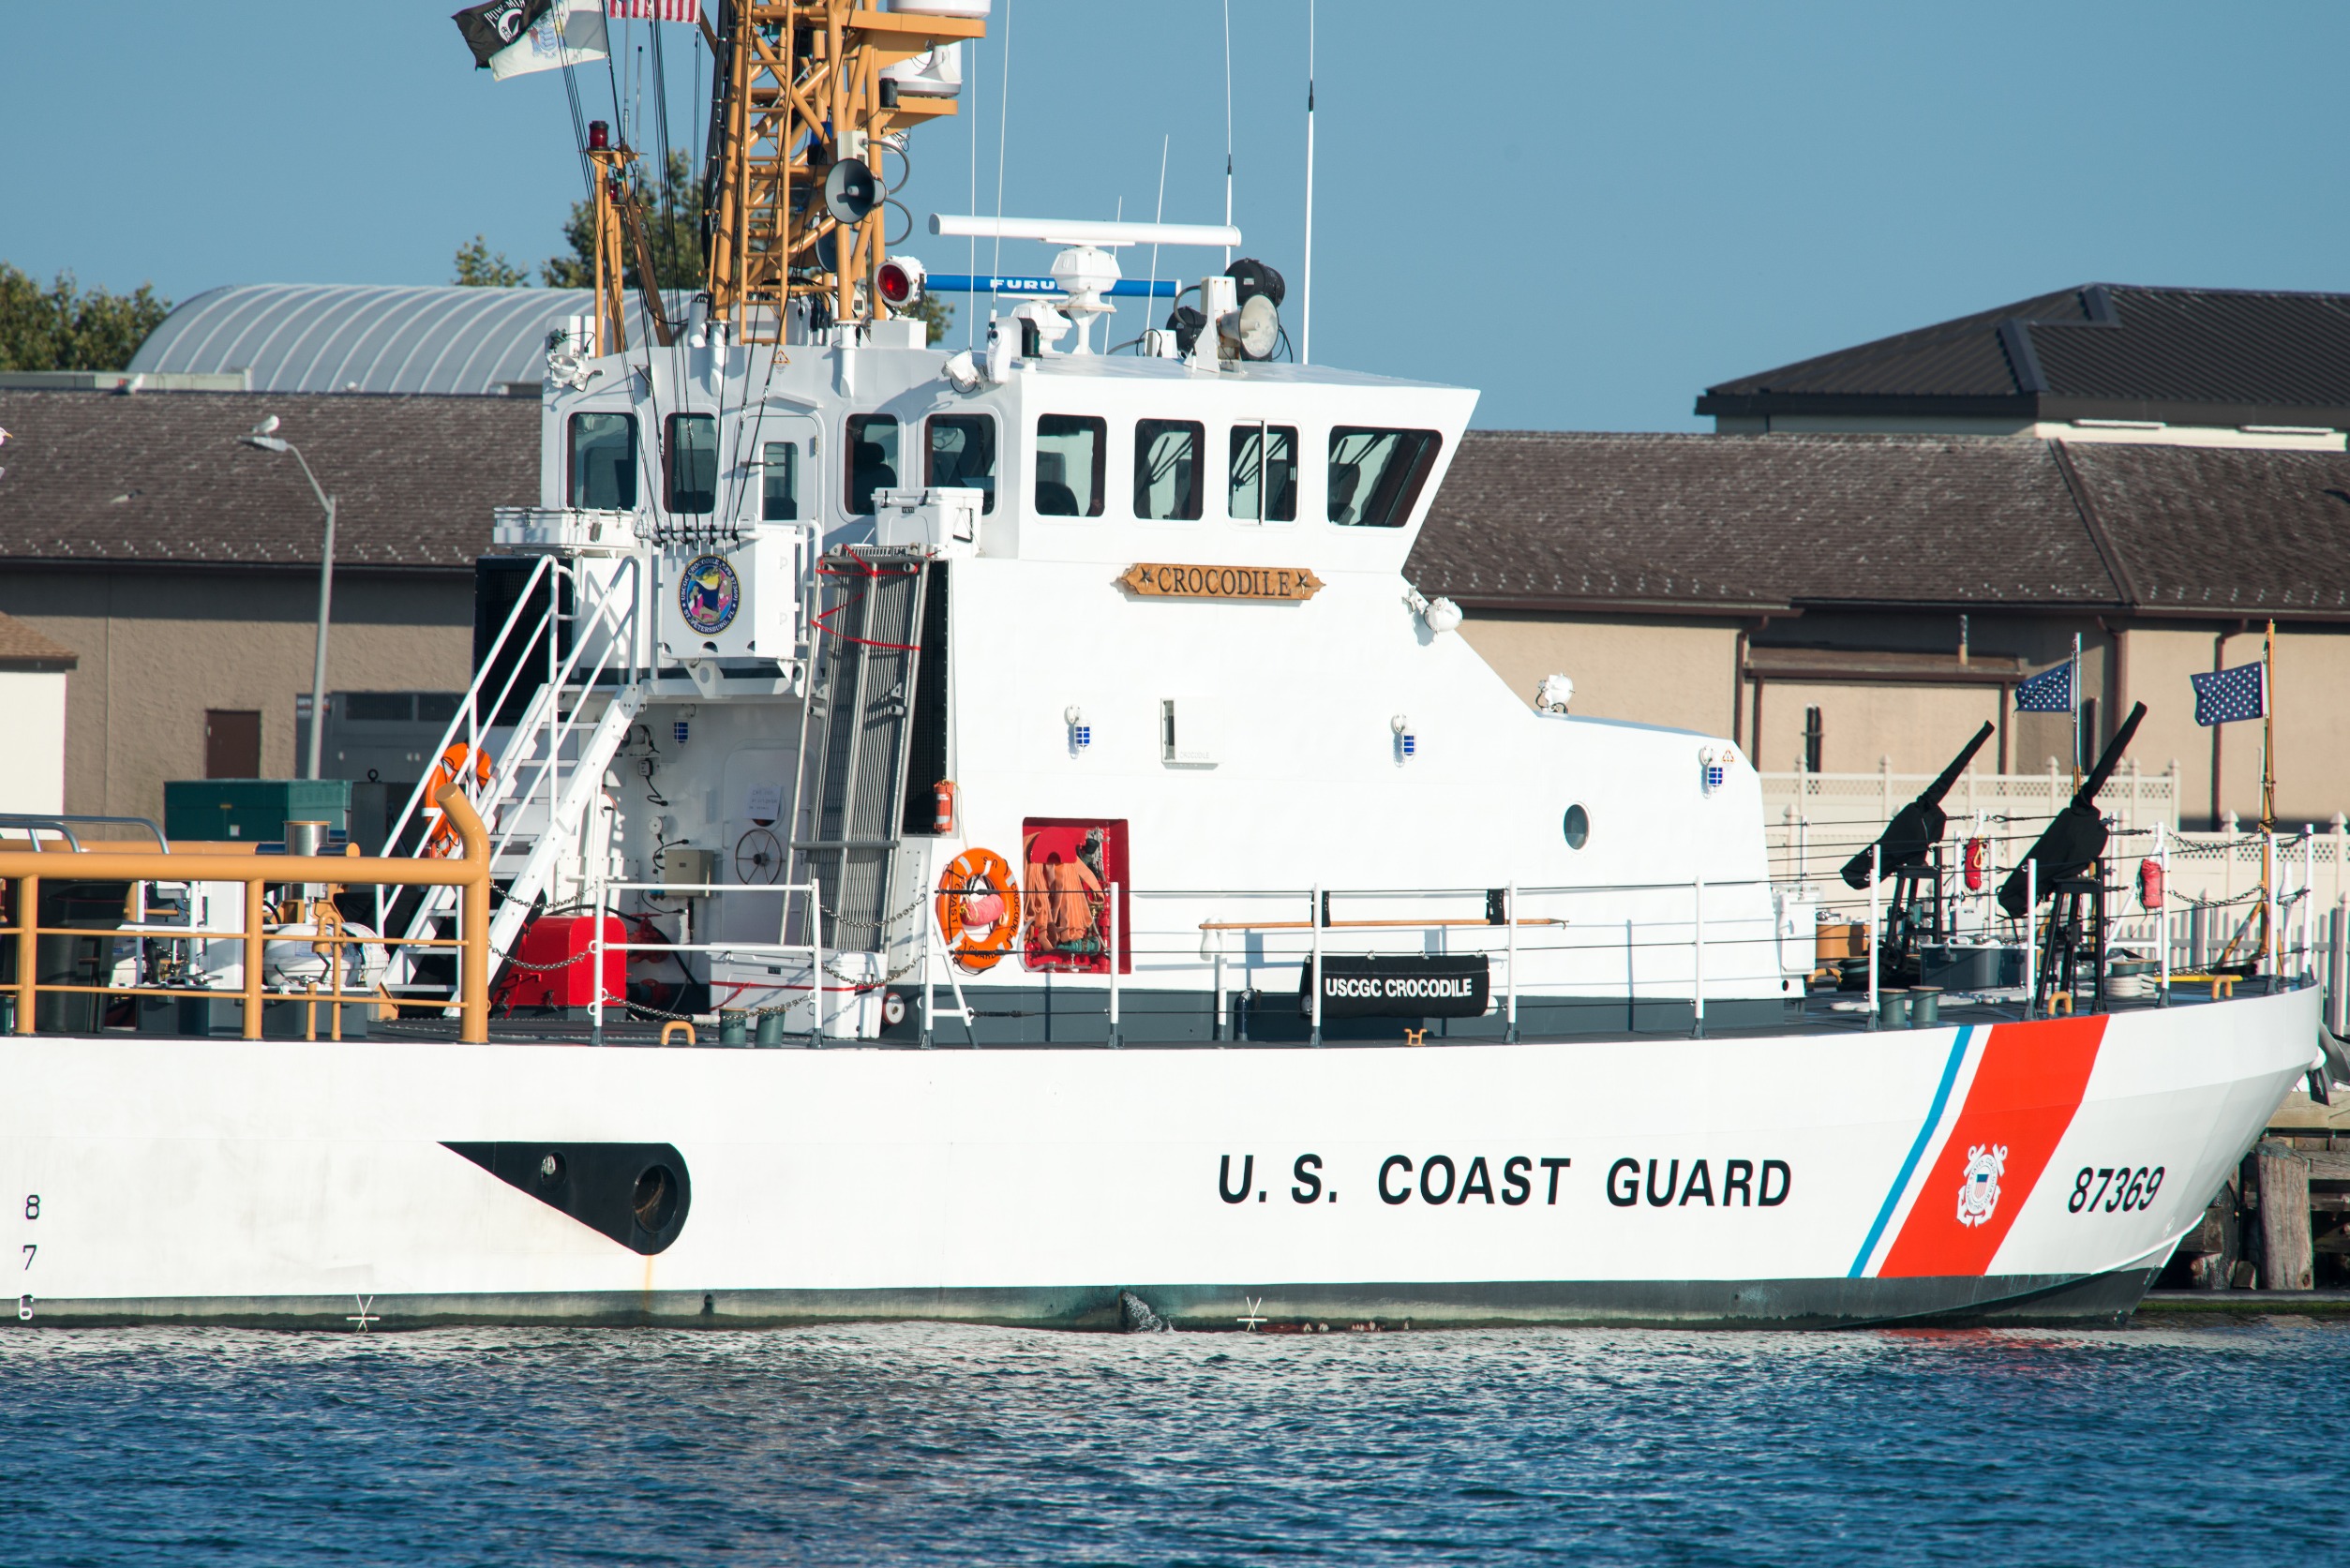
443,841
979,908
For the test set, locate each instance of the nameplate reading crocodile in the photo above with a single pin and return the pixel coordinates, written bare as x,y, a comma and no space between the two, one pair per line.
1164,580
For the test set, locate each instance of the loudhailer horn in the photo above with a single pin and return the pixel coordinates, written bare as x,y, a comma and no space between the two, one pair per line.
2076,838
1917,827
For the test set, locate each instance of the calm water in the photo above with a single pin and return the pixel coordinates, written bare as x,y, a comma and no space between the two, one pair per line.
2214,1444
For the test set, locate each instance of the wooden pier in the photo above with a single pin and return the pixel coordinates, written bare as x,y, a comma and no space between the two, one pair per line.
2277,1237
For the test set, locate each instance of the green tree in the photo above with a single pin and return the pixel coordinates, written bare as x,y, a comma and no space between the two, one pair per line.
672,225
479,267
934,313
65,327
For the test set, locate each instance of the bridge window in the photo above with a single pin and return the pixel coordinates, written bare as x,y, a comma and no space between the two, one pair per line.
779,482
1069,465
604,461
873,458
962,454
689,463
1167,469
1376,475
1264,473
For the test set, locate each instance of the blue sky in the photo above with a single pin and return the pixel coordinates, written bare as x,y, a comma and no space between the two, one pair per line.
1587,211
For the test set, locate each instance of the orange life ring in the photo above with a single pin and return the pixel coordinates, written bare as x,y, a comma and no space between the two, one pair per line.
979,908
443,841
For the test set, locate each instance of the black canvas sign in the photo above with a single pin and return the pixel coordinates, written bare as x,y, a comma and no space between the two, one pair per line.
490,28
1404,986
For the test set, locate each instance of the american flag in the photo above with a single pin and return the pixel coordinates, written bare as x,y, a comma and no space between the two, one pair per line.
2225,695
2049,692
655,10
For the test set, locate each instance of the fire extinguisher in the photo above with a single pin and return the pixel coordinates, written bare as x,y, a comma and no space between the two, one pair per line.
942,806
1977,863
2150,884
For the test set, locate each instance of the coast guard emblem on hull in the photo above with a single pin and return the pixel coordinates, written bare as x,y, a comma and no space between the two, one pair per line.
1979,1194
708,595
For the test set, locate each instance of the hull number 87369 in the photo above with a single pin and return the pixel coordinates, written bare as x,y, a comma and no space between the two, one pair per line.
2116,1188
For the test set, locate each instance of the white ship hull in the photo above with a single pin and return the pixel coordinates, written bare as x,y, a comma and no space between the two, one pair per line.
1819,1178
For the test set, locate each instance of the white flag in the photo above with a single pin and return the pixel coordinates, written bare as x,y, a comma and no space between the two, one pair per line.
570,33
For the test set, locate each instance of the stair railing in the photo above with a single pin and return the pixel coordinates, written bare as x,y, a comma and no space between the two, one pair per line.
531,764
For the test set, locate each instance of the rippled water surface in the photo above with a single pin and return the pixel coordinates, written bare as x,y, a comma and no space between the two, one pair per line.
2208,1444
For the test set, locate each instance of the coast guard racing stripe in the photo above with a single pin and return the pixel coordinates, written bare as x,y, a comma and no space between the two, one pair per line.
2024,1096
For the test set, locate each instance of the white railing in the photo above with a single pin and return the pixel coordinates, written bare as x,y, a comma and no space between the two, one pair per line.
812,950
1681,943
532,769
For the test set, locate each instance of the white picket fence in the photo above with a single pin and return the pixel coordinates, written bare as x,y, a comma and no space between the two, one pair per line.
1816,821
1864,802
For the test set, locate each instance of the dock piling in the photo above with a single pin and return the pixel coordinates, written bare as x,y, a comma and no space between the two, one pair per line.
2287,1262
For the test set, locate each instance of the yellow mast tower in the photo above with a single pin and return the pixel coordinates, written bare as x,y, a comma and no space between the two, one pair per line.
799,116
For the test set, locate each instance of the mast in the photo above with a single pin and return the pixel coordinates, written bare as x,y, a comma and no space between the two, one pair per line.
2268,730
797,96
619,220
2267,790
611,322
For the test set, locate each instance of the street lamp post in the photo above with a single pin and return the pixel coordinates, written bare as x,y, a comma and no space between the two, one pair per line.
264,436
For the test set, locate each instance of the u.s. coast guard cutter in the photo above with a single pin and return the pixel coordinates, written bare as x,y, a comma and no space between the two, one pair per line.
988,833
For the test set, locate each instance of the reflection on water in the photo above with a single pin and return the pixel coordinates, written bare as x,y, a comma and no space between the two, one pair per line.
983,1445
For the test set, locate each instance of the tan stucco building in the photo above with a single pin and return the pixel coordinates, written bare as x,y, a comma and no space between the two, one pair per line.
180,568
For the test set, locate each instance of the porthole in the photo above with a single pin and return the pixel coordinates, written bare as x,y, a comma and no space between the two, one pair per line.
1576,827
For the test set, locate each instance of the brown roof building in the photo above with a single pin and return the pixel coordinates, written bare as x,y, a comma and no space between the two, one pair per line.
1834,600
2099,362
179,567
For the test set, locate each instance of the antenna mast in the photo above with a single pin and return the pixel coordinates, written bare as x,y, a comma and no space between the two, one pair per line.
797,96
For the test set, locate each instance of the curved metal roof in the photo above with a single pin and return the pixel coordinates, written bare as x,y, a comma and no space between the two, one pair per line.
361,337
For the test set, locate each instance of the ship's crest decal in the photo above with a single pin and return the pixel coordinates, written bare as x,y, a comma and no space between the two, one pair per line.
1979,1194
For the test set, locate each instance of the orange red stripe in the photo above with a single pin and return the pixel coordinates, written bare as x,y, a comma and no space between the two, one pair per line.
2025,1094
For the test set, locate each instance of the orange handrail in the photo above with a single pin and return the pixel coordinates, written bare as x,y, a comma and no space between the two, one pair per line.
468,873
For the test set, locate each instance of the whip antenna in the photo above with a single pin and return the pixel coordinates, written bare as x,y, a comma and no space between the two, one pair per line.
1305,301
1228,124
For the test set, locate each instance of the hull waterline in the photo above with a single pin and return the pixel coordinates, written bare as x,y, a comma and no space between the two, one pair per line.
1799,1180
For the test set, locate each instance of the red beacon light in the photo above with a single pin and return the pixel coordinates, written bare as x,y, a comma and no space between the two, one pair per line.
901,281
599,137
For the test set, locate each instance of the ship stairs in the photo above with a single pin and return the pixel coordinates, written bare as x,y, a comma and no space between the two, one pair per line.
550,706
873,744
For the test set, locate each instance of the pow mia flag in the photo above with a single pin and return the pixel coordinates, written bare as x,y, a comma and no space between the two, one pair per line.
513,37
490,28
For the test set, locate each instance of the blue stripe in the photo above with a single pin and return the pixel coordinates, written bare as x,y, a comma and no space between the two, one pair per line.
1917,1150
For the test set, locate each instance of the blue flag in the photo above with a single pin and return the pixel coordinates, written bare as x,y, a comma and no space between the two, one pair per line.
2049,692
2225,696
